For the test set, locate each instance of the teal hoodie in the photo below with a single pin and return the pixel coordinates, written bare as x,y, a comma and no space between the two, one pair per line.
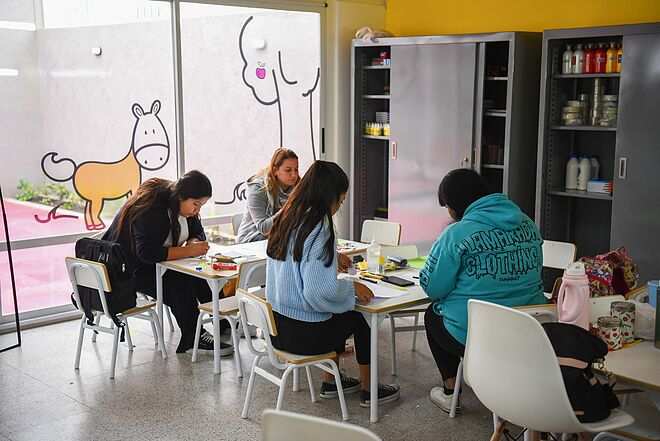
492,254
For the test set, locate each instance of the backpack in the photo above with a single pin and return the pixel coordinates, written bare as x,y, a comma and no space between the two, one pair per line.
576,350
123,295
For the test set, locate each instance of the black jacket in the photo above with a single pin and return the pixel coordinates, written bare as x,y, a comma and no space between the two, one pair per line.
144,247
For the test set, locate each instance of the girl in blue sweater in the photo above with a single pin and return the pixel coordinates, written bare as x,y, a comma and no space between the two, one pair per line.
313,309
492,252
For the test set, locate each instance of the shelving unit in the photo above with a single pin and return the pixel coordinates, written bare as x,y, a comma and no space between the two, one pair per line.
628,153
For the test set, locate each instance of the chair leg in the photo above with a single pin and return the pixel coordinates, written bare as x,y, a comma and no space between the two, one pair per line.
414,343
312,392
393,328
153,328
155,324
250,388
129,341
97,320
81,335
280,393
340,389
115,343
168,314
235,324
198,333
296,380
457,390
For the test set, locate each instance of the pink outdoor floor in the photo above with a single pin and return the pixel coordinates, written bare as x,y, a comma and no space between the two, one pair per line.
41,279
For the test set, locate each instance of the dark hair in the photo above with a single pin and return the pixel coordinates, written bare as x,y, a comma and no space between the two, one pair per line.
311,202
158,191
460,188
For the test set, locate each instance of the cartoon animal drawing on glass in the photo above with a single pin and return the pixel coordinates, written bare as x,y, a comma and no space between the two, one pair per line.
237,195
264,74
97,182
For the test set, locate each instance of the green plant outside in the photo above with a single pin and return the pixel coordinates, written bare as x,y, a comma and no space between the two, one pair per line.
50,194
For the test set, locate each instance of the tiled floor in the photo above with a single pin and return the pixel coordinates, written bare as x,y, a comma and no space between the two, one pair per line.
43,398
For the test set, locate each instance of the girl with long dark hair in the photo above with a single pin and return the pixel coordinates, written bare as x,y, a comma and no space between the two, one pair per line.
313,309
161,222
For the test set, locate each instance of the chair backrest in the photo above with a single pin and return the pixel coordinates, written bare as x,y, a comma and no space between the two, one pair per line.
89,274
236,220
289,426
384,233
256,311
600,306
252,275
558,255
512,368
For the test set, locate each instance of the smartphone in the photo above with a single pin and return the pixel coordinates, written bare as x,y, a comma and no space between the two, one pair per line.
398,281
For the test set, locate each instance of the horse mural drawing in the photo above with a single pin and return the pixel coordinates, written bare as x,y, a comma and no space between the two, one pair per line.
97,182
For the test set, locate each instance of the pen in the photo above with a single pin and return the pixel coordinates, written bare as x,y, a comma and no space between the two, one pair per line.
368,279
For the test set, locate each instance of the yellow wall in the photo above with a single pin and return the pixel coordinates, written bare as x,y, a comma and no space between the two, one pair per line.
432,17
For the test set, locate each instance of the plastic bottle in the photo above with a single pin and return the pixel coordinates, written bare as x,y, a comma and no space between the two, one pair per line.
610,65
619,58
578,60
595,167
589,59
375,261
584,173
573,302
566,64
601,58
572,167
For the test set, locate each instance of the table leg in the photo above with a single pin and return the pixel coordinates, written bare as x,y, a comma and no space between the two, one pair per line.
216,286
160,271
374,369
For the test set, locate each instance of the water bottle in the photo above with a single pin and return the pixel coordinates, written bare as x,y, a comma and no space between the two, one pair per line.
375,261
584,173
572,167
573,304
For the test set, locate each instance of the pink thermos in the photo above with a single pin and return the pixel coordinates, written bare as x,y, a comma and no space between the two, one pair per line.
573,304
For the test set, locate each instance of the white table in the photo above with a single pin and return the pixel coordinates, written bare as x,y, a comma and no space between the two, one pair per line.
377,308
253,252
637,364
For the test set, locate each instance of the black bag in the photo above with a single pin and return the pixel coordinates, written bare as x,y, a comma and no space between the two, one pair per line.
576,350
123,295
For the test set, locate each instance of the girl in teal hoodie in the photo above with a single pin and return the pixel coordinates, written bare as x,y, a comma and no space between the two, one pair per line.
492,253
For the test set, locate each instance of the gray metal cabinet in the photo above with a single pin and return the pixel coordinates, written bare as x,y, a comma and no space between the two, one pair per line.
629,153
452,101
432,100
636,202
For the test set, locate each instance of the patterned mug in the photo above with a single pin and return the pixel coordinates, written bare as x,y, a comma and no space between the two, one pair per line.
609,329
626,312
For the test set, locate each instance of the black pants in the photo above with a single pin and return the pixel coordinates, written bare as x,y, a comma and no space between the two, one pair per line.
311,338
446,350
182,293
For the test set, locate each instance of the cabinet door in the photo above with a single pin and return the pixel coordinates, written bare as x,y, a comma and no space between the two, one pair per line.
431,117
636,204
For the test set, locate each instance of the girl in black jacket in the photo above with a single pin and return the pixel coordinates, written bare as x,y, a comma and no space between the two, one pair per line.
161,222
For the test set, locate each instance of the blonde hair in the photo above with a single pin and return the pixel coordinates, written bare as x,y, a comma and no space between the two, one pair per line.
280,155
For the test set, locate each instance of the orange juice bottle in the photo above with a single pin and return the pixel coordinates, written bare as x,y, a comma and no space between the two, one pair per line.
610,64
619,58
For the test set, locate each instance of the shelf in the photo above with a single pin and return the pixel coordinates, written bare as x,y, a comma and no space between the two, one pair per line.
376,67
376,97
594,75
384,138
497,78
585,128
493,166
496,112
580,194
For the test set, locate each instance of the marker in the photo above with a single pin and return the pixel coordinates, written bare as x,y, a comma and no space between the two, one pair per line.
366,279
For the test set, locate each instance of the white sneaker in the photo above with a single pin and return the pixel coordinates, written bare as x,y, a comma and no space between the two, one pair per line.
442,400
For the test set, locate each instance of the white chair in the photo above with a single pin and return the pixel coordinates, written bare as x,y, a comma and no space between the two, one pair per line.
94,275
382,232
251,274
255,310
288,426
513,370
557,255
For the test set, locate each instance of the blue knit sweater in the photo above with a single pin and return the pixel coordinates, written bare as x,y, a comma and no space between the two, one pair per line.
308,290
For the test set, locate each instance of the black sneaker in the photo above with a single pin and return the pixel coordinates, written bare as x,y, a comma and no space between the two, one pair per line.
206,344
386,393
348,384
